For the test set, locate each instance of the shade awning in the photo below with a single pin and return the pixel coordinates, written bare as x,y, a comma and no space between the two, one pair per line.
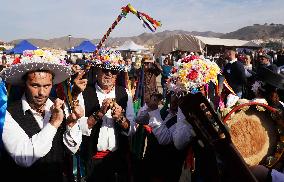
131,46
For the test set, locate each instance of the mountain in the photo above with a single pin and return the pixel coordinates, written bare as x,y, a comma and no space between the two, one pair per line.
147,39
56,43
257,31
253,32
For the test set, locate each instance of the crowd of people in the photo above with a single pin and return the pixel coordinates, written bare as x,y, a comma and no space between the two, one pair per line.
71,122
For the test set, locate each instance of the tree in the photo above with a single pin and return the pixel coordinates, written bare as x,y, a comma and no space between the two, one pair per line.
272,45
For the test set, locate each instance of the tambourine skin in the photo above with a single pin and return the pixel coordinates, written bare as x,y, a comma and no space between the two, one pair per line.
275,131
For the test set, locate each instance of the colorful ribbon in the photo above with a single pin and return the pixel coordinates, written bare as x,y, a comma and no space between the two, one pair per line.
3,107
146,20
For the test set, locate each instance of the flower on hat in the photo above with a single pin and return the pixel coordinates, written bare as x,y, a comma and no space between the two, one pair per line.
191,73
40,55
109,59
33,61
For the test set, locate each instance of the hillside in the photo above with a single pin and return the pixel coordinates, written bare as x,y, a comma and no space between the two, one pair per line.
253,32
257,31
148,39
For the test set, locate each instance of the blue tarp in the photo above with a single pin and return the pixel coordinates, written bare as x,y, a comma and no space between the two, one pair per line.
22,46
85,47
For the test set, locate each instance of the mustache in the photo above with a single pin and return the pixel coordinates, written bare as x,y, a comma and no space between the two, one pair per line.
40,97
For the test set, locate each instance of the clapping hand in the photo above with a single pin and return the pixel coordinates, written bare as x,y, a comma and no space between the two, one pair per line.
77,113
117,111
57,114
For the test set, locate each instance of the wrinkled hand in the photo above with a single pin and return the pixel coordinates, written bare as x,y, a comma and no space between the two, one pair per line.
57,114
116,111
106,106
80,84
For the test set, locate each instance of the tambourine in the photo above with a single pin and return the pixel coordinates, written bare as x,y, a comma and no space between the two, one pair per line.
256,133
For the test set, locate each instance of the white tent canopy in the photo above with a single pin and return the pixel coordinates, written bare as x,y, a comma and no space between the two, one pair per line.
226,42
131,46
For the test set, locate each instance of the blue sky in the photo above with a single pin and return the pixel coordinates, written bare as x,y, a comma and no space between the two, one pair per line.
91,18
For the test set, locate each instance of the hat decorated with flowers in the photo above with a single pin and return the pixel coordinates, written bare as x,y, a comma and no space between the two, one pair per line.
191,73
34,61
109,59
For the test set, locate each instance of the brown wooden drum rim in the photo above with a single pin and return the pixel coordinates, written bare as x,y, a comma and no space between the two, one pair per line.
278,155
272,109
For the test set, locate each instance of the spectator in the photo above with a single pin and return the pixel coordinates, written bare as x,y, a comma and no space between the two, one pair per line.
4,59
234,73
166,70
151,70
264,61
247,65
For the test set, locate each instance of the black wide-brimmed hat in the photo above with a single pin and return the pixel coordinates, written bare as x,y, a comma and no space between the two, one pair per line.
269,77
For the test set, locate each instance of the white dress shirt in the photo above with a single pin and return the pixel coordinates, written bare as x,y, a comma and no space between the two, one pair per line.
179,133
107,139
24,150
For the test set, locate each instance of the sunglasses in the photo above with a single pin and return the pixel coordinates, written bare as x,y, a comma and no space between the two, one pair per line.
113,72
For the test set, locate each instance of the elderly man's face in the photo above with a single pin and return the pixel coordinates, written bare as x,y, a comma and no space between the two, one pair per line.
38,87
106,77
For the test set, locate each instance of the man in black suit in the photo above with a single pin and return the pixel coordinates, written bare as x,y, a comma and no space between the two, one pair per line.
234,72
264,61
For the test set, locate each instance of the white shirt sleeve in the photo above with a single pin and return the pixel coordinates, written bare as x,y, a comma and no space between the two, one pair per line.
277,176
159,129
130,115
83,121
182,132
72,138
24,150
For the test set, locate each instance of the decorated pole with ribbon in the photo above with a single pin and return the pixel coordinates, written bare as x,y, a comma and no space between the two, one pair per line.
146,20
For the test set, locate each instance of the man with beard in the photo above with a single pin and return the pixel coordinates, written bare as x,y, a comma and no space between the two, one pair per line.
109,113
36,140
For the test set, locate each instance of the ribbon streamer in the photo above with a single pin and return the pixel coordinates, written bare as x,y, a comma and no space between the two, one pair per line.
146,20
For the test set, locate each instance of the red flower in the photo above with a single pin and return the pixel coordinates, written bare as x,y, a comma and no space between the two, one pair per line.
189,58
192,75
193,57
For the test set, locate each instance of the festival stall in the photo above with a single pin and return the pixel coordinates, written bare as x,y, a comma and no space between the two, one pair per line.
128,47
216,45
21,47
190,43
180,42
85,47
131,47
